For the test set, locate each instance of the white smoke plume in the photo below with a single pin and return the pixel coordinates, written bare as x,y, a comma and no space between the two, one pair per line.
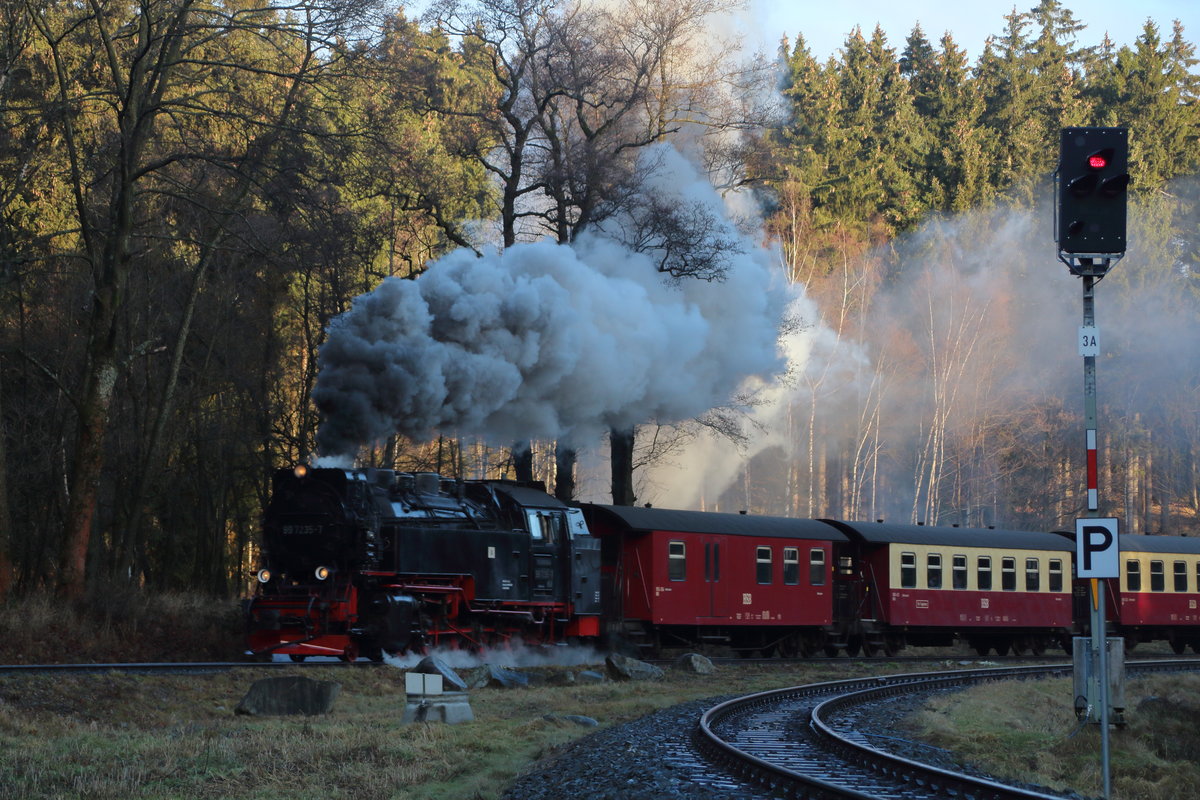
545,340
517,654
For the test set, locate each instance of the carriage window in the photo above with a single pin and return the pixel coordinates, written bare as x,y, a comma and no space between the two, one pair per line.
1056,575
983,573
1133,575
908,570
1008,574
1033,577
763,560
677,560
1158,579
933,570
791,565
816,567
959,572
1181,576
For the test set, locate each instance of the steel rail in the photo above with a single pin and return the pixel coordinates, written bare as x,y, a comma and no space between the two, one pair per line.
815,761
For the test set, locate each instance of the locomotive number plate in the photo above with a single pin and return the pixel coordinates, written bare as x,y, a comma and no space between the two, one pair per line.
301,530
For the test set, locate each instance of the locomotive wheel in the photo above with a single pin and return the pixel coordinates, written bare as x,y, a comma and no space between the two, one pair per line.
831,651
297,658
853,645
1178,646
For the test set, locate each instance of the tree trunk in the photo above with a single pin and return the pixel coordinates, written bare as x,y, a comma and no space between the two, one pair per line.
6,574
522,456
85,474
621,459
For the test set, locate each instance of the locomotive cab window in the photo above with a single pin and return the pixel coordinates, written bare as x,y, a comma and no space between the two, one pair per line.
545,526
933,570
1181,576
677,561
1056,575
791,565
908,570
959,572
816,567
1133,575
1158,579
1033,575
983,573
1008,574
762,561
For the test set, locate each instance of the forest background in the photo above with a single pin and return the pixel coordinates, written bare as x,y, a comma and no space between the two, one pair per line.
192,190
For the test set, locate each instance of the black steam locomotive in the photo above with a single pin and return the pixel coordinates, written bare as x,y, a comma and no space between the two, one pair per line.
363,561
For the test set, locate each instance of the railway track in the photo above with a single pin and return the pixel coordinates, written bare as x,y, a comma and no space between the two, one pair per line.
804,742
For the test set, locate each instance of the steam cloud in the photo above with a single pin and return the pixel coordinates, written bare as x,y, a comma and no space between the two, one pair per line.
549,341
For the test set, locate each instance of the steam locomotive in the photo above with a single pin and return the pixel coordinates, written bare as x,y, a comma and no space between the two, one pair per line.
360,562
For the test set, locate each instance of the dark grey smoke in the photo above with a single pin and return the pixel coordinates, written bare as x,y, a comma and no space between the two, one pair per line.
547,341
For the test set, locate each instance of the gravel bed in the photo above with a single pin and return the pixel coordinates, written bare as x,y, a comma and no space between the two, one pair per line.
647,759
652,758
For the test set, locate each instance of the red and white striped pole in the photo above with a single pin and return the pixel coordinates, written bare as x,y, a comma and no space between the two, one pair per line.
1093,472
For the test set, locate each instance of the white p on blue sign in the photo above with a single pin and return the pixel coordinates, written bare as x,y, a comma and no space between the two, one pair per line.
1097,553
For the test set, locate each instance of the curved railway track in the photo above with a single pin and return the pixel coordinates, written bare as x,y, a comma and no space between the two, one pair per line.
803,742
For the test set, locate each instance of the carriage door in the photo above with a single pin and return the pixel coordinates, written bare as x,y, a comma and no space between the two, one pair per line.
547,535
716,582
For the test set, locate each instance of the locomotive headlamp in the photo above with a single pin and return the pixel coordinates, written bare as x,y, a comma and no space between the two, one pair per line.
321,573
301,470
264,575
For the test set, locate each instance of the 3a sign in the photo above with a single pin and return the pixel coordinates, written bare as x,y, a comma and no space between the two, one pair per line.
1097,552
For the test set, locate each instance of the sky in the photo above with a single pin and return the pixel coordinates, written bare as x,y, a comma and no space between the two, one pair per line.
825,23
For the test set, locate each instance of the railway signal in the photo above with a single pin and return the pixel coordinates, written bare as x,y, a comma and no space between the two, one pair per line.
1093,186
1093,183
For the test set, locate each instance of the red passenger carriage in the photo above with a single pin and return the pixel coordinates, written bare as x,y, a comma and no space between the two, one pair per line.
1158,593
931,586
691,578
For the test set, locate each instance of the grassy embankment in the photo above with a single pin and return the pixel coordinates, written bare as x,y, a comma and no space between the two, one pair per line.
1028,732
124,736
120,736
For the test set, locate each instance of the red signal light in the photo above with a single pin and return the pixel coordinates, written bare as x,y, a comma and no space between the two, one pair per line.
1097,161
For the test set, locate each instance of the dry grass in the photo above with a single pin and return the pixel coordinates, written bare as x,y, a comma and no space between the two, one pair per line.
1027,731
115,624
119,736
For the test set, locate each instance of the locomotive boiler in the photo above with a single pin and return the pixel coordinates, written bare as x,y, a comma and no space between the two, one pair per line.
363,561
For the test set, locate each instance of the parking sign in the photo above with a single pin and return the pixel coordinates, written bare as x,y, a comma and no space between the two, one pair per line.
1097,552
